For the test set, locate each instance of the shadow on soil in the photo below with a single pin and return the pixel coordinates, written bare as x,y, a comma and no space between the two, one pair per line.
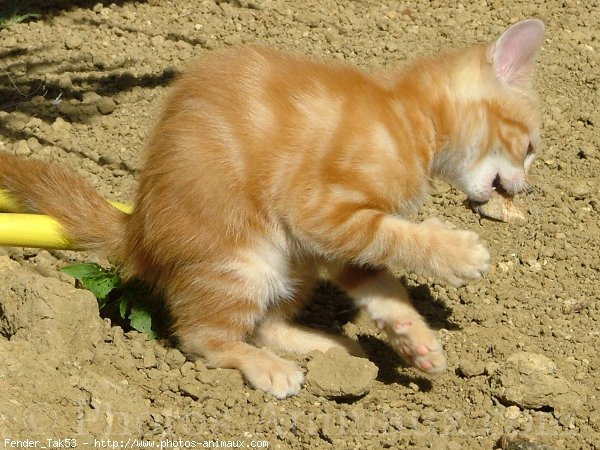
32,72
331,308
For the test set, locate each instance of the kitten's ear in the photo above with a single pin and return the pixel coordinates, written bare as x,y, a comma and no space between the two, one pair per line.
513,54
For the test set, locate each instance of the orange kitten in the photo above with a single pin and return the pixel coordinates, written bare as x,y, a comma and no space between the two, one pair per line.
265,166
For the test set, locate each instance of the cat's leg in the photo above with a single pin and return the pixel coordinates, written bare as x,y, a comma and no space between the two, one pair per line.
214,311
279,332
389,305
365,236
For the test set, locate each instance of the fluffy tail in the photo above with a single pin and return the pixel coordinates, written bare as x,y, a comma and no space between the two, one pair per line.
88,220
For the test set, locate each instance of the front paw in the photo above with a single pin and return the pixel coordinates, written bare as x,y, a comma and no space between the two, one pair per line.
455,256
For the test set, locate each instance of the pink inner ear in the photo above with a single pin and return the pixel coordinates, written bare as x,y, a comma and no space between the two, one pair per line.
515,50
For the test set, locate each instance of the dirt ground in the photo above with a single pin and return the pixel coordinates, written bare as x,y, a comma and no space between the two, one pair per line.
81,85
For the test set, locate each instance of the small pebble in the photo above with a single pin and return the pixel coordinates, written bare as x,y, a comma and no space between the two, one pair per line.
33,144
512,412
21,148
106,105
73,42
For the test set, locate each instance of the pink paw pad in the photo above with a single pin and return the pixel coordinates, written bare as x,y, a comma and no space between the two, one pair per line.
416,343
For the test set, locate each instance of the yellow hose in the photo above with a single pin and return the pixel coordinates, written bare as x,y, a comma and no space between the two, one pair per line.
34,230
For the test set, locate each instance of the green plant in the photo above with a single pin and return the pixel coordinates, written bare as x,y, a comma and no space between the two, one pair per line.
11,13
111,290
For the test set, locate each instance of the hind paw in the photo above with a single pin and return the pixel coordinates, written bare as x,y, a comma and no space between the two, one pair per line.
416,343
274,375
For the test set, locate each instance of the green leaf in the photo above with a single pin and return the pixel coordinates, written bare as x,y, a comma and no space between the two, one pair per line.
102,284
79,271
124,301
95,278
141,320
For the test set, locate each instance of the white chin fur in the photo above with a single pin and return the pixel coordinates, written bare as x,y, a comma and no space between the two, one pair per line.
480,178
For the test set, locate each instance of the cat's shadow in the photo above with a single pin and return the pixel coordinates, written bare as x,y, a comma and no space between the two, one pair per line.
388,362
330,309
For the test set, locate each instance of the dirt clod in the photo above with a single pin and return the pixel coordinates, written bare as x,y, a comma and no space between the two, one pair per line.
21,148
106,105
531,380
471,368
520,443
337,374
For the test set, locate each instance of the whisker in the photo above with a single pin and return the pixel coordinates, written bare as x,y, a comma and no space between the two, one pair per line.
528,189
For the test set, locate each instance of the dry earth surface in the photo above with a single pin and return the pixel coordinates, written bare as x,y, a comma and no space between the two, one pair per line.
81,84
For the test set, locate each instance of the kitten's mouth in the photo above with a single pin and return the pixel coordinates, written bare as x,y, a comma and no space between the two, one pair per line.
497,186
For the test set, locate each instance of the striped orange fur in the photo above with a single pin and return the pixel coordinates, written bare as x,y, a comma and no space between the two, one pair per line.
265,166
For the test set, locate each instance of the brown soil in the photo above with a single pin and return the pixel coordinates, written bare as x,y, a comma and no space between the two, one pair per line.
81,85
